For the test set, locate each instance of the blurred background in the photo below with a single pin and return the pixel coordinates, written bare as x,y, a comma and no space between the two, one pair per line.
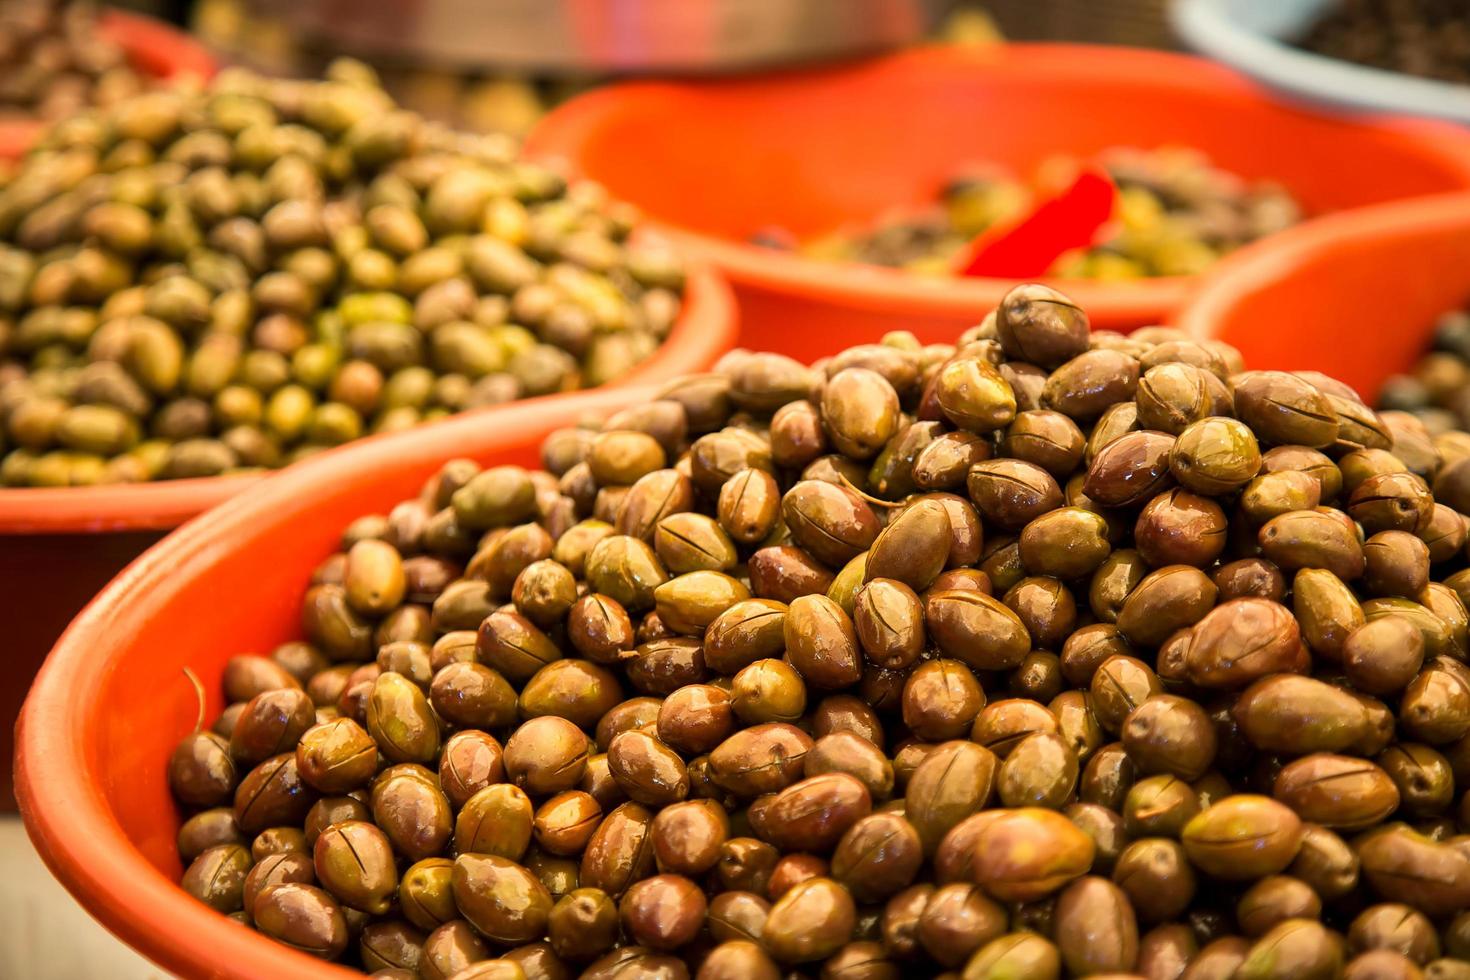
499,65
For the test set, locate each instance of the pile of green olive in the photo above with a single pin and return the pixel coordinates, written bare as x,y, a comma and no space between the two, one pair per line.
196,283
1048,652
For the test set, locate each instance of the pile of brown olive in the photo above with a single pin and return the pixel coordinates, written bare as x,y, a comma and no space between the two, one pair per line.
196,283
1425,38
1176,215
54,60
1437,388
1045,653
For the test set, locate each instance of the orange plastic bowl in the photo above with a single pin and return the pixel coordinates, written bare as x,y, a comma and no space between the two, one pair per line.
810,151
153,48
113,699
59,546
1354,295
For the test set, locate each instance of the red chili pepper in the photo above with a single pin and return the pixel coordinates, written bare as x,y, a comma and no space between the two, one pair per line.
1027,247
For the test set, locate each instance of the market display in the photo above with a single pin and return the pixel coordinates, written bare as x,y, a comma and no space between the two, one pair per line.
1049,652
1426,38
55,61
1176,214
195,283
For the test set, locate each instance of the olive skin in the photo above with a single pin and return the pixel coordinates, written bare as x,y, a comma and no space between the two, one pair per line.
201,771
737,960
1095,928
1295,948
502,900
957,920
813,814
303,916
1219,656
1157,876
877,856
1029,853
1340,792
663,912
811,921
1019,954
1407,867
952,782
1243,837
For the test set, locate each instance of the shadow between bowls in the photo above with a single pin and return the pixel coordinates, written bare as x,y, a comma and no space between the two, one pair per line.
153,48
58,546
1355,295
714,162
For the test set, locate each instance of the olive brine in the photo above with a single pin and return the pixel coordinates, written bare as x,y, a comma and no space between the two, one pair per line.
1047,653
196,283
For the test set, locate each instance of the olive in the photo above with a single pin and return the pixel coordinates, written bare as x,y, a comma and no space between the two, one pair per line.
811,921
1023,955
1029,853
1243,837
546,755
354,862
952,782
502,900
663,912
957,920
1095,927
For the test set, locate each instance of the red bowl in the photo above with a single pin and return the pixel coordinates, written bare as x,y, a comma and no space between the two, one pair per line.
1355,295
153,47
59,546
113,698
813,150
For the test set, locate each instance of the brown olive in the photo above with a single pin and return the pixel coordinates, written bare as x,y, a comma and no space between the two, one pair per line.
1095,928
470,761
976,629
1391,926
952,782
1241,640
546,755
1029,853
501,899
663,912
688,836
1164,601
877,856
497,820
810,922
1337,791
762,759
302,916
941,699
1273,900
1243,837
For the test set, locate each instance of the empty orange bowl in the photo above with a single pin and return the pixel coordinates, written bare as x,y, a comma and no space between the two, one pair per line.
153,48
815,150
113,698
59,546
1355,295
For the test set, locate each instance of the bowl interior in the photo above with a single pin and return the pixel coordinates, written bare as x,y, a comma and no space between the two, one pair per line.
810,151
1354,296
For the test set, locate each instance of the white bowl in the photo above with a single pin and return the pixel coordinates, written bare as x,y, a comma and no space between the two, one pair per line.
1253,36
